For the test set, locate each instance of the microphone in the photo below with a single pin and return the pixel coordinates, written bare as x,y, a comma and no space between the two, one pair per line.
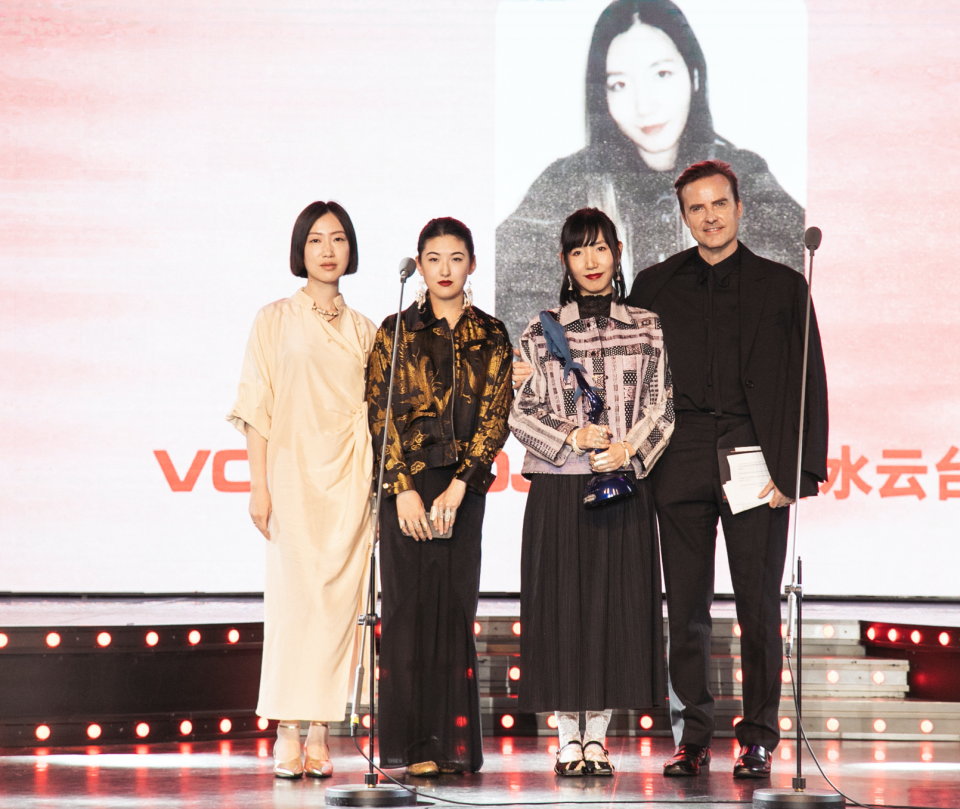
408,266
811,239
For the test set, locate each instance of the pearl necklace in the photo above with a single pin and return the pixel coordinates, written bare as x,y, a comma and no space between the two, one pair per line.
328,316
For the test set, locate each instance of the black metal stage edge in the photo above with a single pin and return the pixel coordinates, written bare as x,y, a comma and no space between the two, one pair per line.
68,685
113,684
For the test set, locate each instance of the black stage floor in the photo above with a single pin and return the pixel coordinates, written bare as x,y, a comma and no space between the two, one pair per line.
517,771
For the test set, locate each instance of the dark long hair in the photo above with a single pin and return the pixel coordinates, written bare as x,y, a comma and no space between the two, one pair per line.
619,17
586,227
301,230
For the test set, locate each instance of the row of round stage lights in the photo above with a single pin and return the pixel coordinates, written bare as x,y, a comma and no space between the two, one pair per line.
104,639
893,635
233,636
142,729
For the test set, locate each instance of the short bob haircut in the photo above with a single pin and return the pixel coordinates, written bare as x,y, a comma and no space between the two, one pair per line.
301,230
619,17
702,170
445,226
586,227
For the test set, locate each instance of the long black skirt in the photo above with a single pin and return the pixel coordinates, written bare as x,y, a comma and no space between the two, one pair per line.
591,609
429,699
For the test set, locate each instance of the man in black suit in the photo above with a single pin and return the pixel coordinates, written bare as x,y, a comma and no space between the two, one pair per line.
733,329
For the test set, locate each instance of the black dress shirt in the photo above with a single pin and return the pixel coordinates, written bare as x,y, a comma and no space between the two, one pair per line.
700,314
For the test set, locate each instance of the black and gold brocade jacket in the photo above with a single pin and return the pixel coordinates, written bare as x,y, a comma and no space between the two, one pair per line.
451,398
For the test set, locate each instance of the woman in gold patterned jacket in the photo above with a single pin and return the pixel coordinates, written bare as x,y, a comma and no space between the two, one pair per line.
452,394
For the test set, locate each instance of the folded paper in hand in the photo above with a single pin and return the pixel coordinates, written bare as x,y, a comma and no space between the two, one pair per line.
748,476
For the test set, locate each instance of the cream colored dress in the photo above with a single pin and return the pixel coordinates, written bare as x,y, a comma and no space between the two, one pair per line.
302,389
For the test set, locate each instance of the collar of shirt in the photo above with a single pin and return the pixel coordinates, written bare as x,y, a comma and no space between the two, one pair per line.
618,311
301,297
721,271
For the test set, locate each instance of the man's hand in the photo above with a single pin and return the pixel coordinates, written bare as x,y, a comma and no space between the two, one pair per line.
779,499
521,371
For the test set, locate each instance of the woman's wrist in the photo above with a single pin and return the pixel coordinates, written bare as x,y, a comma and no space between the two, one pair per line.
573,442
628,451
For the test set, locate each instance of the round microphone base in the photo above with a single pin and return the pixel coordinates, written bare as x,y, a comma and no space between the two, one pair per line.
607,487
362,795
792,799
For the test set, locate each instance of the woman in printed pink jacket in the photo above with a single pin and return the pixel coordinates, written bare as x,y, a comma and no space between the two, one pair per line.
591,605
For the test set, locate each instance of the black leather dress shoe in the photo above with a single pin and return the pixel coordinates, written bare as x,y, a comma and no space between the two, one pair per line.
688,760
753,762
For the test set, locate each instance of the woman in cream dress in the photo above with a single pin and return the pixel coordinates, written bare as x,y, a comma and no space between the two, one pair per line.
301,407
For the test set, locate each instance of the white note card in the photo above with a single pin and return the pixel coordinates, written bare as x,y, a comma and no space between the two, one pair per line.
748,476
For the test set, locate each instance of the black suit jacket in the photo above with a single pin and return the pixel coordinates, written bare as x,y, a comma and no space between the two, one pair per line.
773,301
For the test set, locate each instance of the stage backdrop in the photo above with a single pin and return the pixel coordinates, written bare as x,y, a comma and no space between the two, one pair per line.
153,158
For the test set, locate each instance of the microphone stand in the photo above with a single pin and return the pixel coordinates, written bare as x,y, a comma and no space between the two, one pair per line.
370,793
799,796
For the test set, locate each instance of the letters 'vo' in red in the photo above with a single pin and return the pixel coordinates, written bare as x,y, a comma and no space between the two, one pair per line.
189,480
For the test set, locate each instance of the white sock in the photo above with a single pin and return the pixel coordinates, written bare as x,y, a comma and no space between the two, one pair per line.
287,746
597,724
568,725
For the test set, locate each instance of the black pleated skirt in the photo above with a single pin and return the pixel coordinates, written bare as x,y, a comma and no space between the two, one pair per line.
591,609
429,698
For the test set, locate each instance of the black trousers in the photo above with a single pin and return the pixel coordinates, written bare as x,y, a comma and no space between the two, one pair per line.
429,691
686,487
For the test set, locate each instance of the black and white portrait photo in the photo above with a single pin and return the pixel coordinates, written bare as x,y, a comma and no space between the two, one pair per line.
605,104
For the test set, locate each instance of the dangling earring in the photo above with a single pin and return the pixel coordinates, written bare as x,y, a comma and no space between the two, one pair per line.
569,282
467,296
619,271
422,294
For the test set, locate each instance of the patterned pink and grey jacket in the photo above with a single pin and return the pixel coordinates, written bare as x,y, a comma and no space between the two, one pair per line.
625,356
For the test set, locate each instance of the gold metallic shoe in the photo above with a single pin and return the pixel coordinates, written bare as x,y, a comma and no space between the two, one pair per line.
288,769
292,768
316,767
317,736
424,769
